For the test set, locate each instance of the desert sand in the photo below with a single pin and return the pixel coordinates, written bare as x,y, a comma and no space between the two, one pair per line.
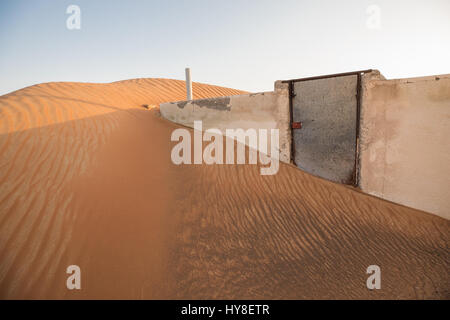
86,178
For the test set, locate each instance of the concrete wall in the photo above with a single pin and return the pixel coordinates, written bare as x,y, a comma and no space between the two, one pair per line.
266,110
405,142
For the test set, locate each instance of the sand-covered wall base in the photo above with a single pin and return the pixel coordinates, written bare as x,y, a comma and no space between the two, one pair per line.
265,110
405,142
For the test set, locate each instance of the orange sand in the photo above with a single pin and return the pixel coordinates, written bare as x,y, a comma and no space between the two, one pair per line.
86,179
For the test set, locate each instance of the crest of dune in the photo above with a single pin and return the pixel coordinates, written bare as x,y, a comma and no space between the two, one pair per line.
86,179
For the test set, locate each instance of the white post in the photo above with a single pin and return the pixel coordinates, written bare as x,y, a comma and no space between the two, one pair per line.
188,84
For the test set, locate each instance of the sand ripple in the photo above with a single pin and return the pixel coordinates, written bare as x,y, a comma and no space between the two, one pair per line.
86,179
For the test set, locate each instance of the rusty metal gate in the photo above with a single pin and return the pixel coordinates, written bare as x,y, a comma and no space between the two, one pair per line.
325,112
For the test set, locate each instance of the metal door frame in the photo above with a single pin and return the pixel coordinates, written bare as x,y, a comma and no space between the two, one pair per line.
293,125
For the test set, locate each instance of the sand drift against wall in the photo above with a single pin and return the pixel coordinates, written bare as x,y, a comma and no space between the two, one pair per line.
86,179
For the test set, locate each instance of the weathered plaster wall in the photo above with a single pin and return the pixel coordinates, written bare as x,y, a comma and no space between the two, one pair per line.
266,110
405,142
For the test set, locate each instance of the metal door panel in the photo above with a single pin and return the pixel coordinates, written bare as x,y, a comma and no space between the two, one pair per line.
326,143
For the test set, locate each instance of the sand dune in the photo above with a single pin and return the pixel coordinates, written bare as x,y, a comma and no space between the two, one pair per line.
86,179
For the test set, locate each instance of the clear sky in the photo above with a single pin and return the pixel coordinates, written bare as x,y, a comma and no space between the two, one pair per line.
243,44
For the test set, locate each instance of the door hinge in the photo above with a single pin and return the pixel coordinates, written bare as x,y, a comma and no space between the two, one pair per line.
291,90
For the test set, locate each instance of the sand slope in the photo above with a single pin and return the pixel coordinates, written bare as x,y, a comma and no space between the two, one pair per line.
86,179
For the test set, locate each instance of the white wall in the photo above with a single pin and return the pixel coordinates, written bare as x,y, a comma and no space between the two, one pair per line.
404,145
405,142
266,110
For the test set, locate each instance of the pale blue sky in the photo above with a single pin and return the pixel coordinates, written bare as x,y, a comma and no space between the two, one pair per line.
243,44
